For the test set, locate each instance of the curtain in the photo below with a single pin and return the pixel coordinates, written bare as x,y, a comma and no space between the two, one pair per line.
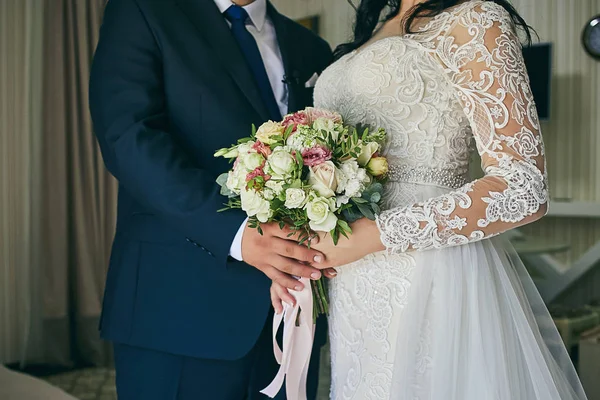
20,133
79,207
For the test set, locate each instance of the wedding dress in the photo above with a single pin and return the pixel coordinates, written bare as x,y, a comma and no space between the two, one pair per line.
448,311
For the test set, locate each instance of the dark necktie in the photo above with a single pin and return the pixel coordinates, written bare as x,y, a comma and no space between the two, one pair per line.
237,16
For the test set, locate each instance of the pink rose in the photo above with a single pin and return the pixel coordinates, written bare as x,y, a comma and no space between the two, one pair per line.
316,113
262,148
299,118
316,155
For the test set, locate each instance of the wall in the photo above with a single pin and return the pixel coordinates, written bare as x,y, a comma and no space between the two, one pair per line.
336,16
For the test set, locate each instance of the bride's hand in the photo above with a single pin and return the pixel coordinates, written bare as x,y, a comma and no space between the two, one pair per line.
364,240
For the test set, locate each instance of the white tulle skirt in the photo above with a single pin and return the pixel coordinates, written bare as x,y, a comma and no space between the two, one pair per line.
462,323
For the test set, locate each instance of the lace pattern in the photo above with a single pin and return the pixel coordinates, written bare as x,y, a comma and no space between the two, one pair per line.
481,56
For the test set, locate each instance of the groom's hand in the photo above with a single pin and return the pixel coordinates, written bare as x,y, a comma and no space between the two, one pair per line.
279,256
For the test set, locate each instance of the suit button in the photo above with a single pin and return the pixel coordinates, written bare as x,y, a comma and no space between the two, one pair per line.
188,240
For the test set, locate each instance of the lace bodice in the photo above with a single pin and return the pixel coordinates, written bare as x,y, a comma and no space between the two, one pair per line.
460,76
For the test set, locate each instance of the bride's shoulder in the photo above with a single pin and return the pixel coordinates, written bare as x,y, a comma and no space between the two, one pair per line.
484,12
463,17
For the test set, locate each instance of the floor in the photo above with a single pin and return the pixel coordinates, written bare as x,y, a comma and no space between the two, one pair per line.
99,383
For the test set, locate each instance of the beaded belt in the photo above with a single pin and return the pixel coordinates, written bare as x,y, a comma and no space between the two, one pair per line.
435,176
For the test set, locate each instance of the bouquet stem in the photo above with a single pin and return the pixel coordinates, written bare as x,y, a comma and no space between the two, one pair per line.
321,305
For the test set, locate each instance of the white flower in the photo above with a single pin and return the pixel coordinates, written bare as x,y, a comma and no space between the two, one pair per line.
296,142
255,205
281,163
352,179
294,198
366,152
354,188
323,179
323,124
236,180
246,148
268,132
251,161
275,186
228,152
350,168
341,200
268,194
320,214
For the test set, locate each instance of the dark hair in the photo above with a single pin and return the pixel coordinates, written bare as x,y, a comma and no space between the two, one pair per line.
368,15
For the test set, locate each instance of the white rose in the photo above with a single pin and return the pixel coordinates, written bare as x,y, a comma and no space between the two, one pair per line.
275,186
251,161
268,131
281,163
294,198
366,152
246,148
320,215
236,180
268,194
255,205
323,179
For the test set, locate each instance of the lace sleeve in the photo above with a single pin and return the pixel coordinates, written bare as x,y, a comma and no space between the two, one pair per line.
482,56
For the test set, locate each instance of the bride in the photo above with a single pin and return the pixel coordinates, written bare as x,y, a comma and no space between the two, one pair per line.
428,303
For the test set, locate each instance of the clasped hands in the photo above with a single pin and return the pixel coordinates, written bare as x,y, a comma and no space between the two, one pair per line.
279,256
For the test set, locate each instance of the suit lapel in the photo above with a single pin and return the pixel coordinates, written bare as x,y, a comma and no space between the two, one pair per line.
205,15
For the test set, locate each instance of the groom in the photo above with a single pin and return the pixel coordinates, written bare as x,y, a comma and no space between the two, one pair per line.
172,81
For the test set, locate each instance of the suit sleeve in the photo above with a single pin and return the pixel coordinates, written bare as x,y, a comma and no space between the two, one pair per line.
131,121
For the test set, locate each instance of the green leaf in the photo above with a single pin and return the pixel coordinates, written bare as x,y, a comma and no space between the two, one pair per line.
344,225
253,130
375,197
366,211
359,200
244,140
335,236
376,208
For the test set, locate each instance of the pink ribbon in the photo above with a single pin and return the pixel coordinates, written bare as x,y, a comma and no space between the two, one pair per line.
297,346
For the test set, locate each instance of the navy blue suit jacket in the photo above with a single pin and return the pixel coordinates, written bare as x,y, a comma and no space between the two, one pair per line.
169,86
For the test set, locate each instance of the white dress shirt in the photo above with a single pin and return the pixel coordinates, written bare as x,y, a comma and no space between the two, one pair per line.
262,29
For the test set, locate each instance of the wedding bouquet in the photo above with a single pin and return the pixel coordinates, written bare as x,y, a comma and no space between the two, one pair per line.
310,171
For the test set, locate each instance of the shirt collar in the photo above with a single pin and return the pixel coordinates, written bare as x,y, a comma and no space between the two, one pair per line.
257,11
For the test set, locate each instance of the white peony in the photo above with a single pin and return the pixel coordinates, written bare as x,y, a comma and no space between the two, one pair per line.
323,178
321,215
281,163
294,198
255,205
